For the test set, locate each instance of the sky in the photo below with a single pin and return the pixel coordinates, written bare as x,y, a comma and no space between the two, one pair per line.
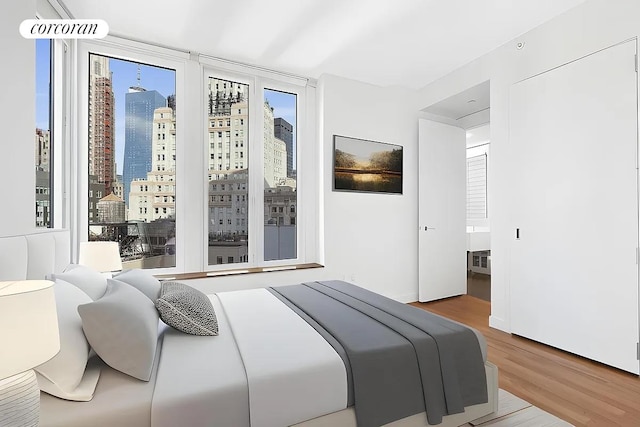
151,78
125,75
284,106
42,83
361,149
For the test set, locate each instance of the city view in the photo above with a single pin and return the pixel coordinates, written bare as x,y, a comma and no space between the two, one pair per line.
43,133
132,165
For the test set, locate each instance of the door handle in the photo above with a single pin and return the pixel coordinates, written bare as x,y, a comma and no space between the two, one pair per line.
428,228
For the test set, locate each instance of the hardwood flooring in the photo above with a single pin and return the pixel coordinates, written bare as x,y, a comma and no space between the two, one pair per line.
479,285
577,390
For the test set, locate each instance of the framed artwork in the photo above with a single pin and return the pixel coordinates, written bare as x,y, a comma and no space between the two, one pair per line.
369,166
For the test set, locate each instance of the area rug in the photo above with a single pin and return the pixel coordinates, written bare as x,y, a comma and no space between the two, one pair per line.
513,411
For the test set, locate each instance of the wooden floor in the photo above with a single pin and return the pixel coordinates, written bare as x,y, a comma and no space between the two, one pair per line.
479,285
581,392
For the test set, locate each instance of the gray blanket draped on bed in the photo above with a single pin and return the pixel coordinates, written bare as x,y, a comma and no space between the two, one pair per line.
400,360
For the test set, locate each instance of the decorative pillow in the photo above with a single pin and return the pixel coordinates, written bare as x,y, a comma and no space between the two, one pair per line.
122,328
141,280
90,281
186,309
64,375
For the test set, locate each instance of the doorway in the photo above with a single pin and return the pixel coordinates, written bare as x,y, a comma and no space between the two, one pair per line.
469,113
478,231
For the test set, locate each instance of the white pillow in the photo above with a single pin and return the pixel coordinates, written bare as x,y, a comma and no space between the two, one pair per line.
64,375
141,280
122,328
90,281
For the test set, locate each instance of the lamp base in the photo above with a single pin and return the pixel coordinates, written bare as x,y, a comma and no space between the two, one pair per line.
20,400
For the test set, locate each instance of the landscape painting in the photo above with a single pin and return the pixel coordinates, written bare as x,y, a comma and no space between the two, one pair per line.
361,165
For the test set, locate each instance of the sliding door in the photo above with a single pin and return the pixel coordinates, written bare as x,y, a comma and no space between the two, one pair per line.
574,271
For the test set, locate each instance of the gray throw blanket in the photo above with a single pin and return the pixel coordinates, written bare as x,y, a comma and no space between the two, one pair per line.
400,360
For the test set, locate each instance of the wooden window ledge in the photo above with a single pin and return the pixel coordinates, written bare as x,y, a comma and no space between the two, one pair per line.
233,272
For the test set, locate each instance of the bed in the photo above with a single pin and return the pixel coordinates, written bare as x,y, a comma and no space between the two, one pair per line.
254,373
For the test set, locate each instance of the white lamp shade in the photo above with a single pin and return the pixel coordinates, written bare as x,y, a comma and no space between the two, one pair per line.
28,325
100,256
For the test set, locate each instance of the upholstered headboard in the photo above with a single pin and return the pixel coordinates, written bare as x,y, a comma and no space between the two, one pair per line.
34,255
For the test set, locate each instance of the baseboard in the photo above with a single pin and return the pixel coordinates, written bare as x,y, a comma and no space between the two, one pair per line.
406,298
498,323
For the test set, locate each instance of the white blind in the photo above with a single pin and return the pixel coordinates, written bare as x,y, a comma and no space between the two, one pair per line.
477,187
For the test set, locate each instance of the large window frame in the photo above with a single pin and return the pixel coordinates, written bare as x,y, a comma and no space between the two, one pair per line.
61,94
60,131
128,51
192,153
307,167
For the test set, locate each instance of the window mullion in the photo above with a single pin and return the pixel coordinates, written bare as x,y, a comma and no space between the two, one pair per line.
256,176
60,84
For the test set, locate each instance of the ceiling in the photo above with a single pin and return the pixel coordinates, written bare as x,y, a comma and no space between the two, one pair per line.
388,43
463,104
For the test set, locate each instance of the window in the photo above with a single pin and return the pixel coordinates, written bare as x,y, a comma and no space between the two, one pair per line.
233,212
279,139
124,150
43,135
225,236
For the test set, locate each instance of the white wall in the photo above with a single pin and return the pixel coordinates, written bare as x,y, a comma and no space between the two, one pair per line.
594,25
17,109
369,239
373,238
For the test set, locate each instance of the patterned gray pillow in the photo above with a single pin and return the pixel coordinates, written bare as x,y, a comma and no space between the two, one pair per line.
186,309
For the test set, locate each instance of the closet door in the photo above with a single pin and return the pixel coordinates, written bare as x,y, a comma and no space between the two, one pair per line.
574,268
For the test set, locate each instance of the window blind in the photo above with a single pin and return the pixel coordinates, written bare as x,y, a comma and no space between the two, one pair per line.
477,187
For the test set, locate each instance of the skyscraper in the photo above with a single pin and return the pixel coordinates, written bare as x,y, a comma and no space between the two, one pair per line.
101,122
283,130
153,198
43,179
275,151
139,107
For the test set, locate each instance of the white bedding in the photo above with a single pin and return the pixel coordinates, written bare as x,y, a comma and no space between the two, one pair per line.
195,384
201,380
293,374
119,400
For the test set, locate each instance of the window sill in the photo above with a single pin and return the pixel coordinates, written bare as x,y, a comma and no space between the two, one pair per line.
235,272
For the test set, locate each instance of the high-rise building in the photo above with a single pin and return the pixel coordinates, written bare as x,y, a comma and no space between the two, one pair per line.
171,102
96,192
118,188
101,122
43,179
139,107
283,130
43,144
275,152
154,197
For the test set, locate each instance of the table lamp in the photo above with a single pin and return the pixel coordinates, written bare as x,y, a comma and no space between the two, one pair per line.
100,256
28,337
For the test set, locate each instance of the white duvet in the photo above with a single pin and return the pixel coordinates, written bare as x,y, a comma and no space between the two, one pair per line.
267,368
293,374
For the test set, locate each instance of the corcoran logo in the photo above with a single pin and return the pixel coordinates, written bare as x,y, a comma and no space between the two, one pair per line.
64,28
